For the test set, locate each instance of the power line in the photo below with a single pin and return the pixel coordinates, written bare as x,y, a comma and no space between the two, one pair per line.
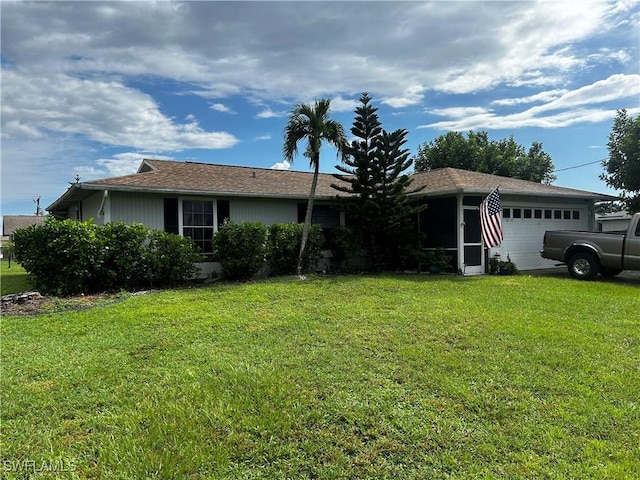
578,166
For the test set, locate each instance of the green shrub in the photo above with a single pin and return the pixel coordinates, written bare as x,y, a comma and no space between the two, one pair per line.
125,256
67,257
283,247
171,259
345,245
62,257
240,248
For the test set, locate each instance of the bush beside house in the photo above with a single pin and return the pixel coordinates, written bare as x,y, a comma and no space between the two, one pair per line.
67,257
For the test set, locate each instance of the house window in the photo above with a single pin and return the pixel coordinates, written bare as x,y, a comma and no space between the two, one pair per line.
557,214
567,214
224,212
197,223
547,214
506,213
517,213
576,214
171,215
527,213
537,213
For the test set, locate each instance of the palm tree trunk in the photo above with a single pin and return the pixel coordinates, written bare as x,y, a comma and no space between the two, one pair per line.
307,217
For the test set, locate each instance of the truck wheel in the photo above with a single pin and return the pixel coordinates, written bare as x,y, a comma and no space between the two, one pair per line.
583,266
610,272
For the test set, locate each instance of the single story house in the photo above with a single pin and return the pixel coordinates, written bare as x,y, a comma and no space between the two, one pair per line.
193,199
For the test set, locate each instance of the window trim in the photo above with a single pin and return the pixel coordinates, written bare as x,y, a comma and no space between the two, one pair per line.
181,225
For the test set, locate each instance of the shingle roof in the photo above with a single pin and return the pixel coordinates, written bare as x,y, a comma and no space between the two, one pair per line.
225,180
449,180
186,177
10,223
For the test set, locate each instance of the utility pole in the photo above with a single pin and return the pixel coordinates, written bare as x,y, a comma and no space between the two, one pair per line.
38,209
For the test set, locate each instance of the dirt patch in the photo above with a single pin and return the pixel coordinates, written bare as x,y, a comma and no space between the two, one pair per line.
32,303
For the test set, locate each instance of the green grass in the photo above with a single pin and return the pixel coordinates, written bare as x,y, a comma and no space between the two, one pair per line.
348,377
13,279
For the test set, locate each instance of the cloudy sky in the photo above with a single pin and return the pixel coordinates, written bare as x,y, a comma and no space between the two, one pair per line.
91,88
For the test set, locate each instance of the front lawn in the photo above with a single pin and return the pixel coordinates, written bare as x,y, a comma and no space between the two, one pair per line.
13,279
348,377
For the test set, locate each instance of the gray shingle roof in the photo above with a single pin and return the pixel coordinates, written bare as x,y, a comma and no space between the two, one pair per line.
168,176
10,223
189,177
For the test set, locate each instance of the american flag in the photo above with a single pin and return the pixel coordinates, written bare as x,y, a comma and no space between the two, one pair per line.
491,219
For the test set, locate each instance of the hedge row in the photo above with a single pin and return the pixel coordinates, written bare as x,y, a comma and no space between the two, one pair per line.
67,257
243,249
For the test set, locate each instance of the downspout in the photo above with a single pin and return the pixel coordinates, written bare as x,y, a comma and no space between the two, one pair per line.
105,194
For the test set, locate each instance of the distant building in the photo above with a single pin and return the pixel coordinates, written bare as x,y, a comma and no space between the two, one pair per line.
10,223
612,222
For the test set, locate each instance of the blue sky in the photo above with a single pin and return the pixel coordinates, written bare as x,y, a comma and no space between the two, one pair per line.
91,88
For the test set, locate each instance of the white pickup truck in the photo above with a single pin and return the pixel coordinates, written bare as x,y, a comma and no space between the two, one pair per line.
588,254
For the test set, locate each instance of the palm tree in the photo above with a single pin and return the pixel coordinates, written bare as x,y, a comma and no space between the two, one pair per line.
312,122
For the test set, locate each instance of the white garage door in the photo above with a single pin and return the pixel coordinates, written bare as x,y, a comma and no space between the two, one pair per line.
524,228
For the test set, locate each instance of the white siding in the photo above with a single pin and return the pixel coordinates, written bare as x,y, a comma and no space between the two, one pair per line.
264,210
138,208
91,207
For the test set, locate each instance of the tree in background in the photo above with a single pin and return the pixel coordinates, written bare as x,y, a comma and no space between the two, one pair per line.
477,153
374,174
622,168
311,122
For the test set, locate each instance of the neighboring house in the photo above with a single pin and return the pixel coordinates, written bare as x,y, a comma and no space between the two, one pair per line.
193,199
612,222
10,223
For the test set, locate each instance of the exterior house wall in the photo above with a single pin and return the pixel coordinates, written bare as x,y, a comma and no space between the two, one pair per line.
144,208
91,208
264,210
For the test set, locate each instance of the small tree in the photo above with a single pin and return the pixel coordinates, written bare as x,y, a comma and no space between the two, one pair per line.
622,168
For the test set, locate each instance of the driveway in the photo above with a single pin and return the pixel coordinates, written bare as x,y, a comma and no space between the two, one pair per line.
628,277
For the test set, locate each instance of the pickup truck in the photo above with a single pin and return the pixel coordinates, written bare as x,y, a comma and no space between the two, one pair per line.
588,253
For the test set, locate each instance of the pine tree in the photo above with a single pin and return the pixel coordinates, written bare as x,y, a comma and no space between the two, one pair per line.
373,174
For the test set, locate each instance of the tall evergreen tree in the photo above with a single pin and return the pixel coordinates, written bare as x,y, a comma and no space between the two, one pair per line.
356,177
395,231
374,174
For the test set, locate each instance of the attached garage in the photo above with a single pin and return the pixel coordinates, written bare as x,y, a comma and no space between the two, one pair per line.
451,219
524,224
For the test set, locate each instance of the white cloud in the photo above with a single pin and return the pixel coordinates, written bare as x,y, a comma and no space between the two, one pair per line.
339,104
220,107
571,107
268,113
104,111
412,95
221,49
459,112
284,165
120,164
545,96
264,137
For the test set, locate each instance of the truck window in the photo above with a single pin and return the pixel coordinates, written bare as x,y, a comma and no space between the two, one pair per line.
638,230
